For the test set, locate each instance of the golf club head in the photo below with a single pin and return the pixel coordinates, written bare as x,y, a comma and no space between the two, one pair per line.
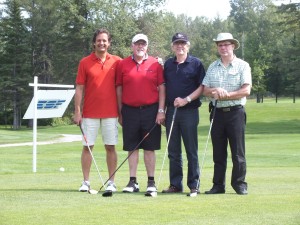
107,194
92,192
151,194
194,194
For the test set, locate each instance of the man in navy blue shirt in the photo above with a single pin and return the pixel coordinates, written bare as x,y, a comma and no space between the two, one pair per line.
183,78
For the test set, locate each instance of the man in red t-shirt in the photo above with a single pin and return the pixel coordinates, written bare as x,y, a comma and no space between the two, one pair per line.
141,103
96,105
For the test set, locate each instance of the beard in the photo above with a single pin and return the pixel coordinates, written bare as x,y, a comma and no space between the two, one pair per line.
140,53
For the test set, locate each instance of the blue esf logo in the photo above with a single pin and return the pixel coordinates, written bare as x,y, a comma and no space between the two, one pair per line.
50,104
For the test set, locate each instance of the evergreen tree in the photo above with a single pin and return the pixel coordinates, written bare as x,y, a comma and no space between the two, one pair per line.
15,65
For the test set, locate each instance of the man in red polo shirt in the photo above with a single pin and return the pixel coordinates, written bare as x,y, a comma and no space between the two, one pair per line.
96,105
141,103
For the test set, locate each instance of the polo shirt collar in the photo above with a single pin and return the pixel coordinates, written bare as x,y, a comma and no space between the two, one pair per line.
188,58
94,57
144,58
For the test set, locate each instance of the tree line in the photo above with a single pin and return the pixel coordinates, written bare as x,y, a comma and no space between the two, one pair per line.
48,38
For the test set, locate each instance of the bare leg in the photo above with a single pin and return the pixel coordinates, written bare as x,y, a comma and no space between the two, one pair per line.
86,162
133,161
111,160
150,159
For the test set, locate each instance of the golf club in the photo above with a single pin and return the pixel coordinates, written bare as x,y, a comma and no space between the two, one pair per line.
109,193
171,128
205,150
88,146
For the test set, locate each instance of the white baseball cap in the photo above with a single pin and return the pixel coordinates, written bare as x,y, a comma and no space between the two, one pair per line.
140,37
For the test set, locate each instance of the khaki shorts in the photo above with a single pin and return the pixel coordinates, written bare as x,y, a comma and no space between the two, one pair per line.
109,130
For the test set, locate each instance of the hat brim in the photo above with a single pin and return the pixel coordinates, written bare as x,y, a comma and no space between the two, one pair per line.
141,40
180,40
234,41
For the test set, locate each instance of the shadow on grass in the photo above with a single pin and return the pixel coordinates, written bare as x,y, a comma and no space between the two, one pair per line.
279,127
38,189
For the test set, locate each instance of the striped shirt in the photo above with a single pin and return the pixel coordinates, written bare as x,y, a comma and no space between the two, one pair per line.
230,78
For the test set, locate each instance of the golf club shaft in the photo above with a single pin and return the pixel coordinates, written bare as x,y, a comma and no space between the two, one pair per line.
85,139
171,128
209,131
135,148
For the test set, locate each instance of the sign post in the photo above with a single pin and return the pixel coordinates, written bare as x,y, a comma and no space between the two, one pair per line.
46,104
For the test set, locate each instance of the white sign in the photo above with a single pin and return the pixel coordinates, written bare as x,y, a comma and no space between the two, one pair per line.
50,103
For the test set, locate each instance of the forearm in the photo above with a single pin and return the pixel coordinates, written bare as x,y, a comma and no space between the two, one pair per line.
196,94
119,90
161,96
78,103
180,102
222,94
78,99
242,92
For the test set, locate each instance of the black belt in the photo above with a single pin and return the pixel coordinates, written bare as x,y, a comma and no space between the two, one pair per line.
230,108
141,106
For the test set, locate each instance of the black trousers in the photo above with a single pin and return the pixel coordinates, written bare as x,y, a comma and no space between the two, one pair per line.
229,127
184,130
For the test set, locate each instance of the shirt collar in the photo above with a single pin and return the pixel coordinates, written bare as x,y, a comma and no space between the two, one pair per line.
219,61
144,58
188,58
94,57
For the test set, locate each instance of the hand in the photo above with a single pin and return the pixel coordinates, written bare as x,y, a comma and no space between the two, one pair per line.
160,118
77,118
180,102
120,120
220,94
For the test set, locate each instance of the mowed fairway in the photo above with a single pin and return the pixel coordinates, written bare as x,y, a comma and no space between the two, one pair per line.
51,196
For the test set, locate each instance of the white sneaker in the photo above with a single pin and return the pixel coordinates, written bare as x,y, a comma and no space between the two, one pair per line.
111,186
85,186
131,187
151,186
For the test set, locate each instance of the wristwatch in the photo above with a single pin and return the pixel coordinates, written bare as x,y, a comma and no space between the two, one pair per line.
161,111
188,99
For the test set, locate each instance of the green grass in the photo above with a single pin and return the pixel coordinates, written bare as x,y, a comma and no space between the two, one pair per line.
51,197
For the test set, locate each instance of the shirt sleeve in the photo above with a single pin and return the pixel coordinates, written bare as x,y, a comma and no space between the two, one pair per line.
160,73
246,75
119,77
201,72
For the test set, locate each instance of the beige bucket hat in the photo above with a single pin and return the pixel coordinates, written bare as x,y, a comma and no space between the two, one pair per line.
227,37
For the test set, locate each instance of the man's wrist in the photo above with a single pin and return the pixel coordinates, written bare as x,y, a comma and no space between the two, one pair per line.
161,111
189,100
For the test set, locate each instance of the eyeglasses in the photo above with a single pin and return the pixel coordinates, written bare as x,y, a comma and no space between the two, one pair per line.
142,43
179,43
224,45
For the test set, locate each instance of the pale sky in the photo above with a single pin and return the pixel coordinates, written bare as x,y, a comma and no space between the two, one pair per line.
193,8
207,8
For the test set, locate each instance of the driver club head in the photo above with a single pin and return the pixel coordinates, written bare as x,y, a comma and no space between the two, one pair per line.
107,194
92,192
194,194
151,194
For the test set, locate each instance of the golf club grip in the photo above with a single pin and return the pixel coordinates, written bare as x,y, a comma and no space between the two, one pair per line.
214,110
82,133
174,114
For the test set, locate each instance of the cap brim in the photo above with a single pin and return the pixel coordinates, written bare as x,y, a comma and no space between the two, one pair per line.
140,40
180,40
